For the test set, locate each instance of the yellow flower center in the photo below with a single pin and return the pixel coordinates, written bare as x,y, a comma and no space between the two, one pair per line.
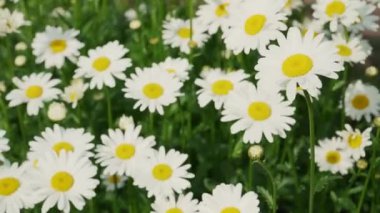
333,157
288,3
101,64
222,87
34,91
355,141
344,50
63,145
221,10
170,70
230,210
162,172
125,151
62,181
336,7
8,186
153,90
259,111
174,210
360,102
254,24
297,65
73,96
58,46
114,179
184,32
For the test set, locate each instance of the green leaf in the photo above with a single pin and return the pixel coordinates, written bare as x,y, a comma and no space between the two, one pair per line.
324,181
338,85
238,148
268,197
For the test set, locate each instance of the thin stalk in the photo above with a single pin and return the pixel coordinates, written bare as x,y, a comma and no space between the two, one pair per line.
312,153
109,109
273,185
345,79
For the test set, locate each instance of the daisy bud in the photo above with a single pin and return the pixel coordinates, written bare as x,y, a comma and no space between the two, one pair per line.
21,46
153,40
362,164
3,88
135,24
57,111
255,152
98,96
371,71
130,14
20,60
125,122
376,121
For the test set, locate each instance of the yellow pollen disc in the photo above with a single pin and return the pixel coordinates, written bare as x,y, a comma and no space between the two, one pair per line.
344,50
63,145
174,210
259,111
355,141
35,164
101,64
221,10
336,7
297,65
73,96
34,91
222,87
333,157
230,210
170,71
184,32
62,181
58,46
125,151
254,24
8,186
360,102
153,90
162,172
114,179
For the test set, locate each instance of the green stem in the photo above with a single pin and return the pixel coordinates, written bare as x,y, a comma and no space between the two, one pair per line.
109,109
345,79
370,172
312,153
271,179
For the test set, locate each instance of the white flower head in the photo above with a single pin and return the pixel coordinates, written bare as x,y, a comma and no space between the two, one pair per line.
113,182
74,92
4,146
179,67
185,203
214,14
356,141
350,49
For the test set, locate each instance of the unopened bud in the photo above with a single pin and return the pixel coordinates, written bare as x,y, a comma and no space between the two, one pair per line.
362,164
371,71
255,152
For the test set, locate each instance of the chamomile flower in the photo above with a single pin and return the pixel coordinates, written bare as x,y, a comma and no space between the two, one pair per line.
10,22
104,64
331,155
164,173
336,12
33,90
64,179
113,182
74,92
355,141
121,152
367,19
4,147
152,89
349,49
58,139
298,60
184,204
15,189
217,84
292,5
258,111
214,14
178,33
229,198
54,45
253,24
362,100
179,67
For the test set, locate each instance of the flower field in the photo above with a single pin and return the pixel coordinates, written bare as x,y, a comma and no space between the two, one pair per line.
196,106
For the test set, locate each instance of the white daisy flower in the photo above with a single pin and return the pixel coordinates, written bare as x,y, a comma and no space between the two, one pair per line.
4,147
350,50
55,45
291,5
113,182
298,60
122,152
33,90
214,14
184,204
164,173
336,12
152,89
355,141
179,67
331,155
63,180
10,22
15,189
253,24
74,92
177,33
367,19
375,2
309,24
228,198
216,85
103,65
59,139
361,100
